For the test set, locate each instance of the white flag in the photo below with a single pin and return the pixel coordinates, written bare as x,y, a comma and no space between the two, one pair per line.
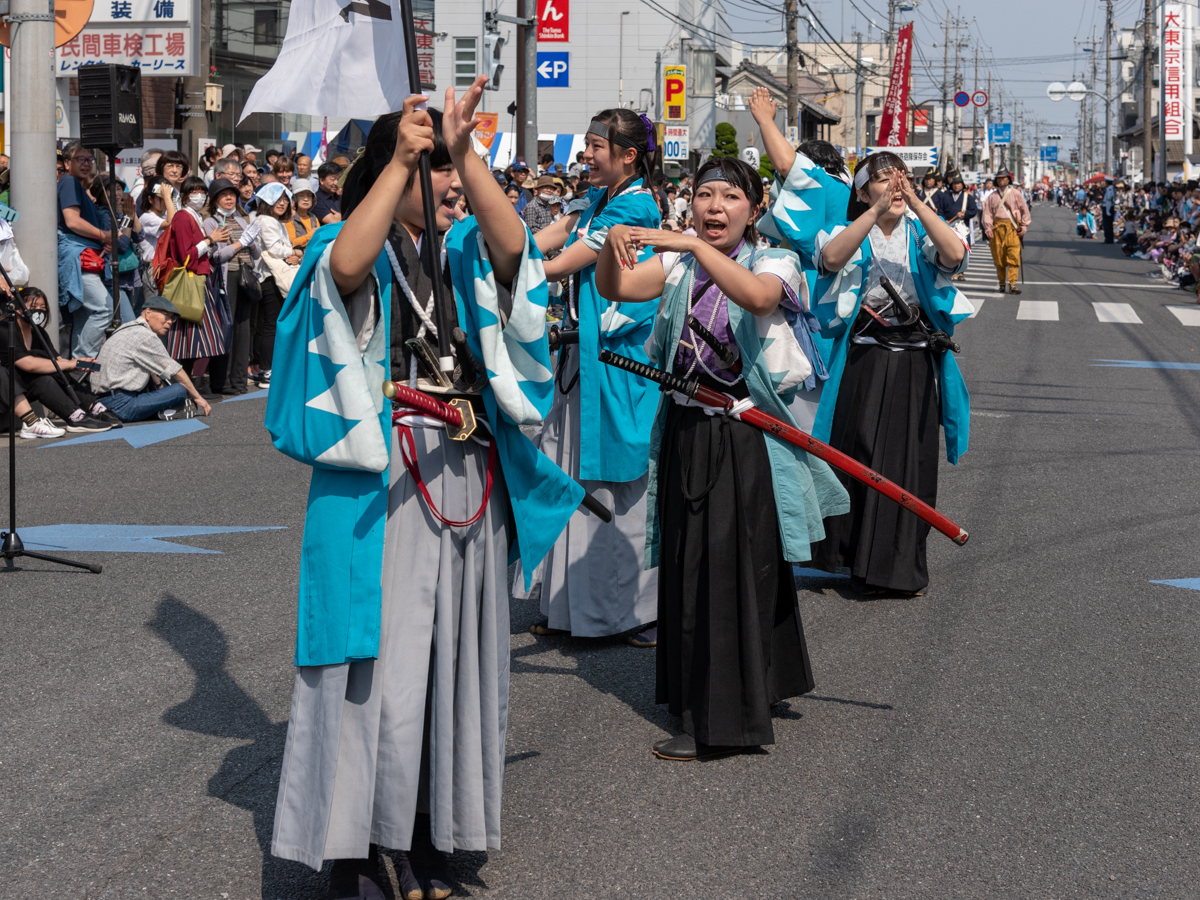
339,58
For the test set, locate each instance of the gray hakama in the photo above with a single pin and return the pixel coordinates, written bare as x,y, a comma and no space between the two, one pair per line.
593,580
366,750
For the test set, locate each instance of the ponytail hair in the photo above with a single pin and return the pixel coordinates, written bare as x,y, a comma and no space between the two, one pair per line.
628,130
378,152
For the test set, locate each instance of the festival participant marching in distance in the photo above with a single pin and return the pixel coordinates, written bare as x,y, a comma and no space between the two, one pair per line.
1005,220
592,582
957,206
400,708
731,506
795,216
889,384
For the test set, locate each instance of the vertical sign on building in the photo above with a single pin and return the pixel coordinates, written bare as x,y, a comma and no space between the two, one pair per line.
893,130
1172,73
423,17
674,93
554,20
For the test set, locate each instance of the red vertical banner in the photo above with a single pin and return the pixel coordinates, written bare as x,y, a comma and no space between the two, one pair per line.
893,130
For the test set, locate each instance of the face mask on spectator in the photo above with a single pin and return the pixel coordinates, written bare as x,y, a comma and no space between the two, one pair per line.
196,201
547,197
37,317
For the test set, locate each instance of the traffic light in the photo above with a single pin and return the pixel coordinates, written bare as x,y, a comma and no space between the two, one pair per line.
492,45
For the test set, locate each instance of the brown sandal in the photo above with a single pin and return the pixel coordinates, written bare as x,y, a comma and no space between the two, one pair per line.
545,630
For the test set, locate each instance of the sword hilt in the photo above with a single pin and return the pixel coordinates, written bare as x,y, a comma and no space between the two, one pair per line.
665,380
727,357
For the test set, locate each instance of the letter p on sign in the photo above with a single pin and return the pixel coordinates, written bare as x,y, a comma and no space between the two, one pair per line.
674,93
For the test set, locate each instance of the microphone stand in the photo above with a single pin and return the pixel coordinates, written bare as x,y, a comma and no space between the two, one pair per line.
11,546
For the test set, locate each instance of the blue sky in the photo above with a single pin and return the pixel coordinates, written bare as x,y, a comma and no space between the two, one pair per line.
1025,44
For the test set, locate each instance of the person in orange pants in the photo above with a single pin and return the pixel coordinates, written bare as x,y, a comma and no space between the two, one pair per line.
1005,220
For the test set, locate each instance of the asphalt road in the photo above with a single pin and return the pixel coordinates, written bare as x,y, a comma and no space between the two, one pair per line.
1026,730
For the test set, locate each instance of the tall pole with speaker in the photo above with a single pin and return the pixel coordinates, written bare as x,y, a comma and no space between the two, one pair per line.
110,119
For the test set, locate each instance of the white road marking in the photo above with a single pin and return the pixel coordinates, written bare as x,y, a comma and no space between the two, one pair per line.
1116,313
1187,315
978,304
1038,310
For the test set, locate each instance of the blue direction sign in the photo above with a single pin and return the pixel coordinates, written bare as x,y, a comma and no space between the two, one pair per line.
962,98
554,69
1000,133
1049,154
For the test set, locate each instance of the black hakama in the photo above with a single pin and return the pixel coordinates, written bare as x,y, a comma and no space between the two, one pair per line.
887,417
730,640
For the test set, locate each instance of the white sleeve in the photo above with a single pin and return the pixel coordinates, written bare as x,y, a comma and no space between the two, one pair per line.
274,238
788,271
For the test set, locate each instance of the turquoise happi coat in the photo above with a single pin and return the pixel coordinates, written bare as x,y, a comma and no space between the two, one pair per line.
839,296
327,410
806,201
616,408
805,488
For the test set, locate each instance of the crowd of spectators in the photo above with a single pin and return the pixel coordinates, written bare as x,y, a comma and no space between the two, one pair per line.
241,221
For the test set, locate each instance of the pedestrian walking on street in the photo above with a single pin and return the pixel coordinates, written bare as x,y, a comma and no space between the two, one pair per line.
732,508
1005,221
890,385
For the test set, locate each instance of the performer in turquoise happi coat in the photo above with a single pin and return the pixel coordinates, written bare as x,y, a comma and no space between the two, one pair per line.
796,215
731,507
892,378
592,583
400,708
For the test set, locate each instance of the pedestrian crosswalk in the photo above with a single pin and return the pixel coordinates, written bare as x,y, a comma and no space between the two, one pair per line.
1105,312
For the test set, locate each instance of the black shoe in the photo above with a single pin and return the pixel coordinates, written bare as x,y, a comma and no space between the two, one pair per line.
229,391
684,748
410,885
107,415
355,879
432,870
87,424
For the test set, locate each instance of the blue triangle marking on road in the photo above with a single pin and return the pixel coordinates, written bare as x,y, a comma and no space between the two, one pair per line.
1192,584
1142,364
802,572
253,395
137,436
126,538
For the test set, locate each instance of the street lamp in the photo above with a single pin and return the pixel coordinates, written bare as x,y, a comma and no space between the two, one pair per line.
1076,91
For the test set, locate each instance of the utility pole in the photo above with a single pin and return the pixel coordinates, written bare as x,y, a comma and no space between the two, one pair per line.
793,66
858,94
891,34
195,119
975,112
31,131
957,88
1109,164
527,132
945,84
1147,61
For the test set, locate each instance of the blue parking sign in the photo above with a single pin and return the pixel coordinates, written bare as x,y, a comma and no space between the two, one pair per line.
554,69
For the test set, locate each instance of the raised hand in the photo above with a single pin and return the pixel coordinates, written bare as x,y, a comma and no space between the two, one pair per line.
762,105
624,247
458,121
414,134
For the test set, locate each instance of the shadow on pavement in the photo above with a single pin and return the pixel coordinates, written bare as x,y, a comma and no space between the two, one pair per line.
249,775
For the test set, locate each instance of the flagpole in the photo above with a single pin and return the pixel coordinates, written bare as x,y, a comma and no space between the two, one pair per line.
432,244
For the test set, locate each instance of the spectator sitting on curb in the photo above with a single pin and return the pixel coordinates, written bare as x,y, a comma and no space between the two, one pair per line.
41,382
133,357
31,426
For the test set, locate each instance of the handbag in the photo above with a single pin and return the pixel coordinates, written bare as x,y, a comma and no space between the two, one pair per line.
284,274
92,262
248,286
128,261
186,290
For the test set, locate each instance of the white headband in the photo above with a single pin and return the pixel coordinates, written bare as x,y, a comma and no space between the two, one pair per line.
863,174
